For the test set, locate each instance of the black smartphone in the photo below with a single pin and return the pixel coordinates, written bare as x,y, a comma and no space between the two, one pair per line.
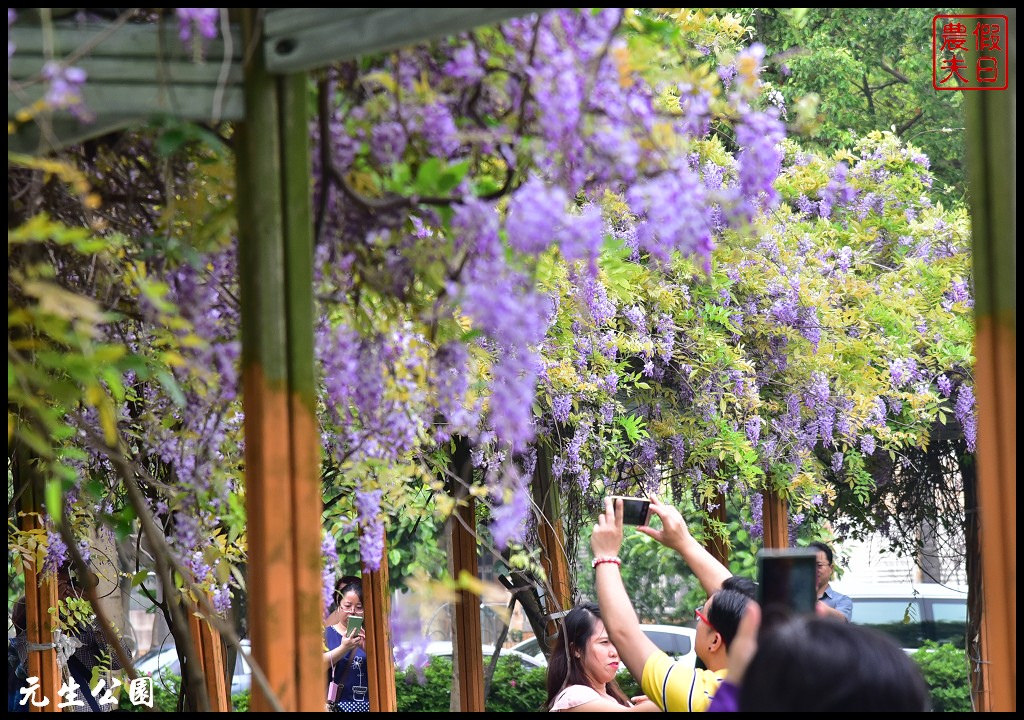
788,583
635,511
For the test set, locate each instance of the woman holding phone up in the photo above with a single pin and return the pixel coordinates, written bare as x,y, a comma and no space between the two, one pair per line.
346,660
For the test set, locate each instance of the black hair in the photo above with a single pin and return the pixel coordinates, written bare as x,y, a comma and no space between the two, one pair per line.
741,584
817,545
347,584
19,615
726,611
812,664
564,667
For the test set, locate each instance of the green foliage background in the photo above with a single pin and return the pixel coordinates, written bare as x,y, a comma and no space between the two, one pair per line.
871,68
945,670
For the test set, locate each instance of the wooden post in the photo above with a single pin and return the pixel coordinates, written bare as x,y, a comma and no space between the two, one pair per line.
552,536
380,662
774,519
304,436
211,657
717,545
282,474
40,596
467,640
40,589
991,148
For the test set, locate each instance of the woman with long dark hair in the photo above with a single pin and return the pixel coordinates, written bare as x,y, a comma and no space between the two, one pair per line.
581,672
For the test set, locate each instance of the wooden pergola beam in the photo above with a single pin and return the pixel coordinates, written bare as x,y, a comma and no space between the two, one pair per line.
991,147
134,74
299,39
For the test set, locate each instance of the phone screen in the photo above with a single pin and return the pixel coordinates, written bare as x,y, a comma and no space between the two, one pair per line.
635,511
788,583
355,624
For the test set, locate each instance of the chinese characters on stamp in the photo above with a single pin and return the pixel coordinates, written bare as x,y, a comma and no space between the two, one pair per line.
970,52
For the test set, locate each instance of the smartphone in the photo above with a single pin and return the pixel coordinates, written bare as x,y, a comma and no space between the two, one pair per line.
788,584
355,624
635,511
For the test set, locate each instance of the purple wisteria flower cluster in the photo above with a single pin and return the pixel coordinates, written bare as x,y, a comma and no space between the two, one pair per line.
409,640
197,25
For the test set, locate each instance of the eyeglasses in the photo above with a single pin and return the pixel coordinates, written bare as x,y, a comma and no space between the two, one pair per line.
699,615
824,565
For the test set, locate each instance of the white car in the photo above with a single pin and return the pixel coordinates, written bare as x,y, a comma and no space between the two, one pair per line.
911,612
164,660
671,639
444,649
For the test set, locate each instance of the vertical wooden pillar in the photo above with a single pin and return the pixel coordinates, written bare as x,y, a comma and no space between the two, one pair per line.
552,536
304,431
281,466
40,596
40,590
211,657
717,545
775,520
467,640
460,532
379,658
991,147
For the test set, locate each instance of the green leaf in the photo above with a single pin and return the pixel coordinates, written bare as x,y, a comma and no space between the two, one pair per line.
452,176
427,176
171,386
53,494
139,577
401,177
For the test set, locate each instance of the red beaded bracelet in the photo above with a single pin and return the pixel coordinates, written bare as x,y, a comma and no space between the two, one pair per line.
599,560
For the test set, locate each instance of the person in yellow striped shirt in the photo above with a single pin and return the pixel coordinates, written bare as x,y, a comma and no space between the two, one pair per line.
674,687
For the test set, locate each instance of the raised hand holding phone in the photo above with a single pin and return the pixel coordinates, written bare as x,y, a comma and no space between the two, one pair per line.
355,624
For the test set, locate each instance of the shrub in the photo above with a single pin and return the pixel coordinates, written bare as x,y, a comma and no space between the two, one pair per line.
514,688
240,701
945,670
433,695
165,696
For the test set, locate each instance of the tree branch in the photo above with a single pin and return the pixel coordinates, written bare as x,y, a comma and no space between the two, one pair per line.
127,469
909,123
895,73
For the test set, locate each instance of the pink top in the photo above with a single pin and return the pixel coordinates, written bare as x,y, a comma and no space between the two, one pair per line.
573,696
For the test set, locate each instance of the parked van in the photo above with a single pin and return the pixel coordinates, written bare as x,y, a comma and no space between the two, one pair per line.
911,613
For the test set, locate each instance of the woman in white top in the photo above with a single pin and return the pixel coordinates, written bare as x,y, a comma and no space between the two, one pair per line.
581,671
